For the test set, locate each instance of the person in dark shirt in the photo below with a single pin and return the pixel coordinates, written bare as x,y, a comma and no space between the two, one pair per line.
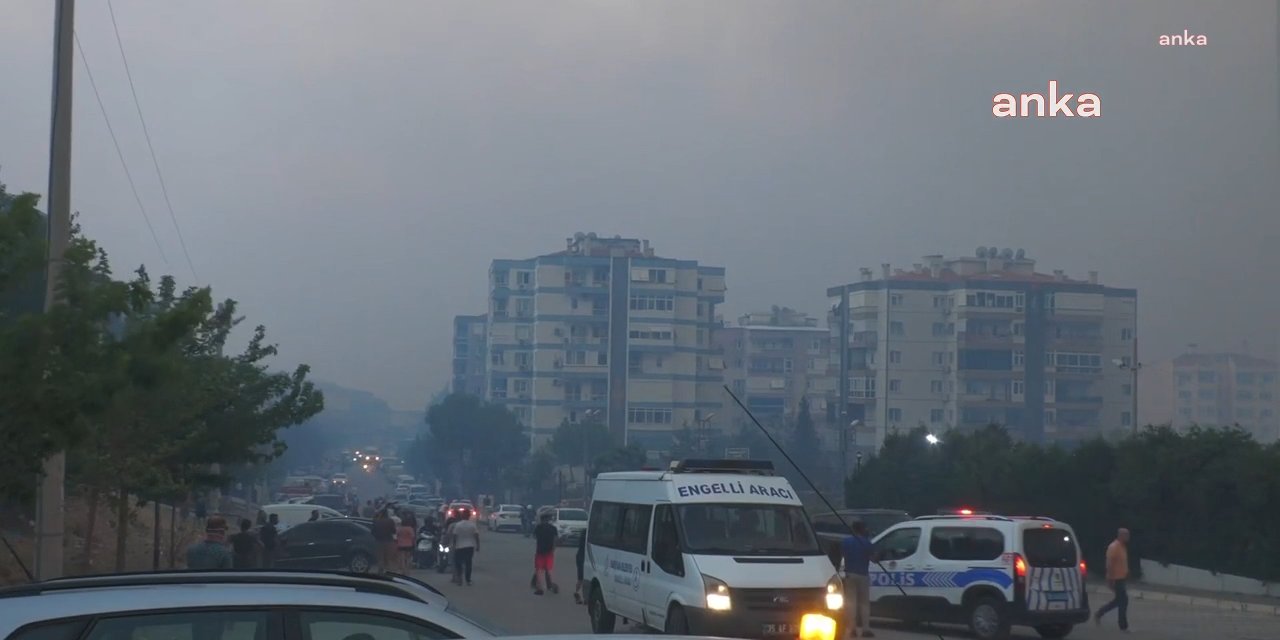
267,535
245,547
384,533
544,557
581,559
857,551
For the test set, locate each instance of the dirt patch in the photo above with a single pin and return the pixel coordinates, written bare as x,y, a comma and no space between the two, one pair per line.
138,550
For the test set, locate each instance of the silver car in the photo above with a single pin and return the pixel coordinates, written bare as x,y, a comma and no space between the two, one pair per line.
246,604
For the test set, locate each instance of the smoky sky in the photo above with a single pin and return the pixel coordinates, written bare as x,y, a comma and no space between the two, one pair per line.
347,170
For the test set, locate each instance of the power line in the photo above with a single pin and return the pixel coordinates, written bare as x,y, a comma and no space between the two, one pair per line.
147,134
127,174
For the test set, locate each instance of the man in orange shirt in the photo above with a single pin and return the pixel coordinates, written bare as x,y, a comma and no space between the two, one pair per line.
1117,576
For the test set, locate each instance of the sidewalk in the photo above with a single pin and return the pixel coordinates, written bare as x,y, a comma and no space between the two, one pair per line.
1099,594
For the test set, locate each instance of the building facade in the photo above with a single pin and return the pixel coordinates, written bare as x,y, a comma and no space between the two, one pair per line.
1213,389
966,342
773,360
606,330
470,357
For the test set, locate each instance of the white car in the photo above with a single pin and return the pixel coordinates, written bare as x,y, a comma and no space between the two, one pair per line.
987,571
571,524
506,516
338,479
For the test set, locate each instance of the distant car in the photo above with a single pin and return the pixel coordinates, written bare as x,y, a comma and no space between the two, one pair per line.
570,524
506,516
458,505
338,479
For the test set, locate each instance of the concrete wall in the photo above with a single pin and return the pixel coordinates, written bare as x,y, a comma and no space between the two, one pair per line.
1156,574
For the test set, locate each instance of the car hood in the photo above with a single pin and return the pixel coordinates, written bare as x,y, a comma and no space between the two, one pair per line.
577,525
765,572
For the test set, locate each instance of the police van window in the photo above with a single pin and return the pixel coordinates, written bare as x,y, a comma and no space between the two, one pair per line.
898,544
605,525
635,528
966,543
1049,547
666,541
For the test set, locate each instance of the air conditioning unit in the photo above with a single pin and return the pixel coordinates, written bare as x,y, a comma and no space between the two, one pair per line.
523,286
524,341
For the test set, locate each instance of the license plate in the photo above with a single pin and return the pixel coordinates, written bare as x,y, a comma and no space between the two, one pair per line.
781,629
1057,606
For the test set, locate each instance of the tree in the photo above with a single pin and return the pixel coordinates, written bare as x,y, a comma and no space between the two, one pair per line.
472,441
574,440
629,458
804,441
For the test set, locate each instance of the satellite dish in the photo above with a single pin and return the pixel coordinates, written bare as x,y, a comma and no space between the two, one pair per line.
591,236
1007,254
579,236
1022,253
993,252
982,252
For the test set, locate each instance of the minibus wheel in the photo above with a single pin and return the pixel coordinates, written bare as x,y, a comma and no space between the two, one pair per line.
677,622
602,620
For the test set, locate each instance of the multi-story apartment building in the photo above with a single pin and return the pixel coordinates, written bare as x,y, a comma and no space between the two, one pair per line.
774,359
967,342
469,354
606,330
1212,389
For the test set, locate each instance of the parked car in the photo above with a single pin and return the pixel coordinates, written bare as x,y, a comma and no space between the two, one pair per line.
257,604
338,543
570,524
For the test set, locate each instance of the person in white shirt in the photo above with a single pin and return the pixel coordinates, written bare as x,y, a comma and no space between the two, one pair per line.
465,539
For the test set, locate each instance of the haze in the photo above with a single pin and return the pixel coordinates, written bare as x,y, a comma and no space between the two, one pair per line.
347,170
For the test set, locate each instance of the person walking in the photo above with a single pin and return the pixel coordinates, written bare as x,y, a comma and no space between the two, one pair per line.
581,560
856,550
544,555
268,534
1117,579
211,553
406,536
384,534
245,547
465,539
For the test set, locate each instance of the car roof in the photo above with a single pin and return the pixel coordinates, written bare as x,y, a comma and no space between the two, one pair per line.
111,593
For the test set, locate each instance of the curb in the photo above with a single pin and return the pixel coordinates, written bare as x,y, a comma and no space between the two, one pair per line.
1222,604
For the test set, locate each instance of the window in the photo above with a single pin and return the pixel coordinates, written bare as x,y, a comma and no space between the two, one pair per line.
702,337
895,357
658,275
1019,387
786,365
1019,359
1126,419
657,362
1126,389
935,416
966,543
604,527
896,329
340,625
1049,547
1184,395
666,541
935,386
939,329
188,625
649,416
1244,395
1186,412
500,278
524,332
1184,379
1126,334
940,302
521,386
602,358
813,364
895,299
1208,394
897,545
1244,412
635,528
524,308
939,357
1207,377
815,345
895,386
524,277
895,415
1017,328
650,334
495,357
652,303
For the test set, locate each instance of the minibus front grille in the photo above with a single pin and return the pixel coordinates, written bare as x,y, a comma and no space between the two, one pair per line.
780,599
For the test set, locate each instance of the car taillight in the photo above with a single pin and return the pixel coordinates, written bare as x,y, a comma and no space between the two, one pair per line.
1084,571
1019,567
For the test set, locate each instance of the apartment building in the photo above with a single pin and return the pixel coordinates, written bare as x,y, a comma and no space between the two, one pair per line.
1213,389
776,358
606,330
470,357
965,342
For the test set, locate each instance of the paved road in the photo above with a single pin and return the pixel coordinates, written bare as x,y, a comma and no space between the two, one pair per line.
369,484
501,597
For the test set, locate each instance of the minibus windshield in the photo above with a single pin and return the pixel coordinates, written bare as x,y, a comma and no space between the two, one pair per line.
746,530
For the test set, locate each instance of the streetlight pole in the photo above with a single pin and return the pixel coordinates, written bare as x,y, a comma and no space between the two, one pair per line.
50,495
591,416
1133,368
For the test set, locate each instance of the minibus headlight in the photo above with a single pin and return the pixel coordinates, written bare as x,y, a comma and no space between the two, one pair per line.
717,594
815,626
835,594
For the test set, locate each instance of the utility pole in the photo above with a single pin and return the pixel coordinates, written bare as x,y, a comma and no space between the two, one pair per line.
50,512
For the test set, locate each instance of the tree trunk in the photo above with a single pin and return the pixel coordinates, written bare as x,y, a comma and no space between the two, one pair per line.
122,528
95,494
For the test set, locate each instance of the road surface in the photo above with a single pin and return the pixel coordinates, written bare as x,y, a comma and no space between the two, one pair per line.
501,597
368,485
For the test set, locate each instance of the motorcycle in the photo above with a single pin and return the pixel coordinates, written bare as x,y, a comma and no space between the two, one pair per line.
424,552
443,558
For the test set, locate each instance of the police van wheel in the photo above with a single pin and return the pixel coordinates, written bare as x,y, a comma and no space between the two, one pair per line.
987,619
602,620
1054,631
677,622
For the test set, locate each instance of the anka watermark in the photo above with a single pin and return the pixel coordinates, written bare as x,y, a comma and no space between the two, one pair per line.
1027,105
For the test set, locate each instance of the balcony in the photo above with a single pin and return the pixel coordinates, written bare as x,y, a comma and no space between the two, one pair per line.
998,340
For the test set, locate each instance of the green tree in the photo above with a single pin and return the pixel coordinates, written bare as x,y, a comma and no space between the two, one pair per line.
574,440
472,441
629,458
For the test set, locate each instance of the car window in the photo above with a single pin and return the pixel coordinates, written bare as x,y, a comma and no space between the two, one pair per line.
966,543
898,544
350,625
605,528
635,528
65,630
1050,547
187,625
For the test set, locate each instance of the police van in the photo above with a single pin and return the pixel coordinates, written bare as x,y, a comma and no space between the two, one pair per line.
708,547
987,571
